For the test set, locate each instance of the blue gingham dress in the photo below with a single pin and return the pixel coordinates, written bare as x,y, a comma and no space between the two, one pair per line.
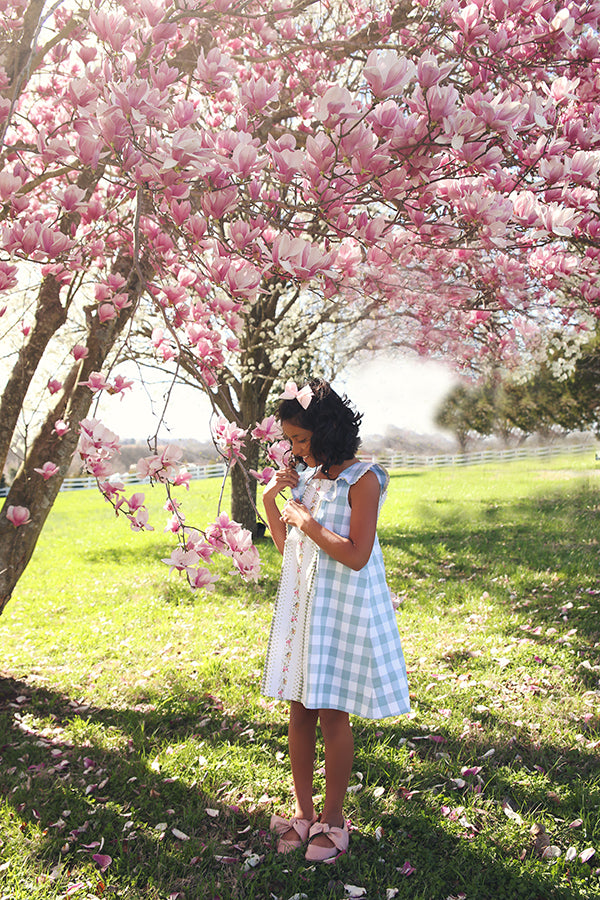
334,641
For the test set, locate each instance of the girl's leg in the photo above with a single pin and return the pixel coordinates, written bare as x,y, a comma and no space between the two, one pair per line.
301,742
339,754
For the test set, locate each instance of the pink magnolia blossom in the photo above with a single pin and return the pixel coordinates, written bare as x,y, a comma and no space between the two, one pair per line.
195,541
47,470
61,427
96,382
214,69
243,279
18,515
95,435
337,103
183,477
80,352
247,562
387,73
112,488
139,520
299,258
267,430
9,185
136,501
54,385
97,447
181,559
218,203
106,312
279,452
201,579
286,158
98,466
232,540
229,438
163,467
264,476
171,458
120,385
149,466
257,94
175,523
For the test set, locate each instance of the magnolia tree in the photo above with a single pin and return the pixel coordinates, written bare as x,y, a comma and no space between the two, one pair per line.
198,161
282,331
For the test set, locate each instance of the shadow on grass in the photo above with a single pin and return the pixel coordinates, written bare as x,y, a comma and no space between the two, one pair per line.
543,551
80,793
122,556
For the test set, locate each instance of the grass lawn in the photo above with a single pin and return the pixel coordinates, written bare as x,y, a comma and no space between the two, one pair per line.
138,759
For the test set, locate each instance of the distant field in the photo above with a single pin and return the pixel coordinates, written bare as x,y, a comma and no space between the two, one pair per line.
132,729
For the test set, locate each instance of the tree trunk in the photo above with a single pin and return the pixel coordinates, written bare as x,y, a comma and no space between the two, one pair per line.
50,315
243,486
29,489
243,493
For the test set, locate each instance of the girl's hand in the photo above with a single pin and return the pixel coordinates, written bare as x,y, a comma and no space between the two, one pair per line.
297,514
282,479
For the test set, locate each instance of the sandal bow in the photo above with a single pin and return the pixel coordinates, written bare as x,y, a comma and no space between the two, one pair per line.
339,838
280,826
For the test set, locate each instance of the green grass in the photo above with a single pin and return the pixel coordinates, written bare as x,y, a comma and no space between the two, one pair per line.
129,707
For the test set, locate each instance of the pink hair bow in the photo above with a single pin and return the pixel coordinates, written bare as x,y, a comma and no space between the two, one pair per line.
303,396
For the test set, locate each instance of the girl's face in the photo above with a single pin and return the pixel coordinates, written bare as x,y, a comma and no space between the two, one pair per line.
300,439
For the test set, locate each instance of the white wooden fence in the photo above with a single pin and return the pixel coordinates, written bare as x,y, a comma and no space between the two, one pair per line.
410,461
391,461
213,470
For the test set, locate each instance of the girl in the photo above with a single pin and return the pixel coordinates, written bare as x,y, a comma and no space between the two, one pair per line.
334,647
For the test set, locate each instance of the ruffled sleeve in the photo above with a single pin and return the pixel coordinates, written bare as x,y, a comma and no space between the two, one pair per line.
354,473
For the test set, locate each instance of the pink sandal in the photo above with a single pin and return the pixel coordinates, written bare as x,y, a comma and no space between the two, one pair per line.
339,838
279,826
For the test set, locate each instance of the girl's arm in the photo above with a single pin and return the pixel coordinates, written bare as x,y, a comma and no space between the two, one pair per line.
352,551
282,479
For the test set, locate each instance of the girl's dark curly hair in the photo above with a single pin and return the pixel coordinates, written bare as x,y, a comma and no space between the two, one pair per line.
332,420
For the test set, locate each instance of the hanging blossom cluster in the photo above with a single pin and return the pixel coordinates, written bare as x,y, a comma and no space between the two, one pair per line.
97,449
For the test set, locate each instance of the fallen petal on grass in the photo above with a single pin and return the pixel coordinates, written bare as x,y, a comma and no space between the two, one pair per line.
353,890
102,860
511,814
406,869
252,861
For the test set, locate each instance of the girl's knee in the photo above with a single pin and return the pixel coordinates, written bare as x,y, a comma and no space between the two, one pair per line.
333,721
300,716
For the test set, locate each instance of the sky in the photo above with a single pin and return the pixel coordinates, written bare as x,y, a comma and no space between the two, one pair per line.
388,391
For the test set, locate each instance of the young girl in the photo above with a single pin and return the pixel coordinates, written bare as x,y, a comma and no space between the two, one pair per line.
334,647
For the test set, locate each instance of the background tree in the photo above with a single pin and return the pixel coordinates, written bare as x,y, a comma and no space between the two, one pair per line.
464,412
562,392
440,158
